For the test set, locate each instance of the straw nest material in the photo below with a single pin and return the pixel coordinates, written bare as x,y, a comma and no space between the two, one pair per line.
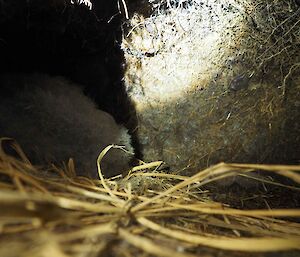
51,212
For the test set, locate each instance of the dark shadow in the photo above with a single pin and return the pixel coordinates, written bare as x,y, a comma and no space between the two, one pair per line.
58,38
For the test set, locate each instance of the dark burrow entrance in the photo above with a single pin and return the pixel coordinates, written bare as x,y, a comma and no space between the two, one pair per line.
70,40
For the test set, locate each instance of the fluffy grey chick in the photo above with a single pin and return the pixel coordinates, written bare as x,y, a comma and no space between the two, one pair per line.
53,121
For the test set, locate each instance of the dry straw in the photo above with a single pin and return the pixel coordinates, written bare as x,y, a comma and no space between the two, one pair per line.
54,213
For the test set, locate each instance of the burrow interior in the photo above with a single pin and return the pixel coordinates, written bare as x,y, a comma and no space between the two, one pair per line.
60,38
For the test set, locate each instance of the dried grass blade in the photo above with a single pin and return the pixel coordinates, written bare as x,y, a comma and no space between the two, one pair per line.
180,185
88,232
149,246
263,244
230,211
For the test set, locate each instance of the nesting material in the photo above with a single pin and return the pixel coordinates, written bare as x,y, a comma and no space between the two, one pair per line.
210,79
47,213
